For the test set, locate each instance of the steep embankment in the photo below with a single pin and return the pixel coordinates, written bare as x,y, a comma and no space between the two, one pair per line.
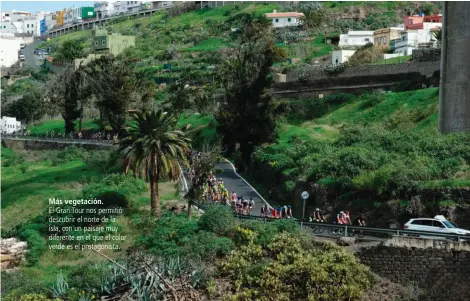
374,151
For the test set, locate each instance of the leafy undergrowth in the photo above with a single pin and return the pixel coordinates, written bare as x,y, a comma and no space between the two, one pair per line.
30,178
219,257
386,144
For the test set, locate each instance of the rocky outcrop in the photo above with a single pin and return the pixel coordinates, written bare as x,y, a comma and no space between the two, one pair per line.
12,253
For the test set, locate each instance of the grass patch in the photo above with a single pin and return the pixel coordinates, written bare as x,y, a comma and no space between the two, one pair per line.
58,126
209,45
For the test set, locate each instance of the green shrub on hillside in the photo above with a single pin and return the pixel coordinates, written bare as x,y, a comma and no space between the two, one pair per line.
70,153
258,272
37,245
218,219
17,283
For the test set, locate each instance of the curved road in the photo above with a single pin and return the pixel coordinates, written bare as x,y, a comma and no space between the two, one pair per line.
232,181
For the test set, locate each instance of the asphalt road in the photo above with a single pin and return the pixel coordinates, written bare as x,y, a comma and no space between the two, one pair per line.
31,60
234,182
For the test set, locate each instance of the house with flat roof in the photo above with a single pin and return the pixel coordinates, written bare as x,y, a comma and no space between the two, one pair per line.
285,19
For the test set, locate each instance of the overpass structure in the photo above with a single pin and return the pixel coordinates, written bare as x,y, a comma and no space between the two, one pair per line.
55,32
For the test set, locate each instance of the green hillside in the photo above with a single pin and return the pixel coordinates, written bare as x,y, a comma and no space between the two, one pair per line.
185,40
383,143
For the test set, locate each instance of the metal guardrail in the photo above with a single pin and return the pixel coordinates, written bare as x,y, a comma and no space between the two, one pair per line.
345,230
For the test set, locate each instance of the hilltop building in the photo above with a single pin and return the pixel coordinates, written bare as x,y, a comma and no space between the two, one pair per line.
383,36
285,19
9,125
355,39
103,43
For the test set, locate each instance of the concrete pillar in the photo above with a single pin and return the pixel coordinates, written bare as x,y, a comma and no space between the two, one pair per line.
454,98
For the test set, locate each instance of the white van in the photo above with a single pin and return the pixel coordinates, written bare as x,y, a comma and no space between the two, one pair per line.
22,45
21,57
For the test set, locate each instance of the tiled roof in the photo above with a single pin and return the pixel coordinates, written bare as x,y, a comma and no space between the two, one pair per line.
283,15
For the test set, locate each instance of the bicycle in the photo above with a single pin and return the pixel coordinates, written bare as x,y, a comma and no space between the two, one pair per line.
359,233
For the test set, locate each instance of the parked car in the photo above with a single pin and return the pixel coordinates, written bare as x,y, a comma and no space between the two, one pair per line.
21,57
438,224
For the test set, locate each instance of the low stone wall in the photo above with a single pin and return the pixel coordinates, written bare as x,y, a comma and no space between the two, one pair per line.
441,268
12,253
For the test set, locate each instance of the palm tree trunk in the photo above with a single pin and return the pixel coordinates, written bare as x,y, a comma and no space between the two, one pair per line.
190,211
154,197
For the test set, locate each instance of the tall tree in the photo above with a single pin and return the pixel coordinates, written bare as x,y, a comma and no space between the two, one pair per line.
70,50
65,90
111,82
247,117
28,108
154,149
314,14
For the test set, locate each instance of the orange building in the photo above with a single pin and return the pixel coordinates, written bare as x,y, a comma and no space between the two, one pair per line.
416,22
60,18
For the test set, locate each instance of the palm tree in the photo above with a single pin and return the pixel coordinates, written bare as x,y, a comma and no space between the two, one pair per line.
155,149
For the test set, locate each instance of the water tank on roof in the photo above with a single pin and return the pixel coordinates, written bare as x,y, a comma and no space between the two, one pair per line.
421,14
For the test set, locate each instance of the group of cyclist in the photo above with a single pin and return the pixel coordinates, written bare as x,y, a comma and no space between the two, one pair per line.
276,212
342,218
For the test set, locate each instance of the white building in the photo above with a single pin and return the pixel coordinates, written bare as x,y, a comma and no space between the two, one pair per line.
285,19
356,38
9,47
412,38
10,125
103,9
341,56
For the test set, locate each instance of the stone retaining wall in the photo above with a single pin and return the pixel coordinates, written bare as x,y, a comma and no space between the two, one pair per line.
12,253
442,272
424,68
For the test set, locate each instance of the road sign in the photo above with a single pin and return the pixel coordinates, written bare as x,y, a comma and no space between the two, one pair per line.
305,195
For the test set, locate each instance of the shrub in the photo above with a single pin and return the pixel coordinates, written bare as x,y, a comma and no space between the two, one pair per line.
218,219
36,245
12,160
27,297
259,272
17,283
71,153
24,168
103,160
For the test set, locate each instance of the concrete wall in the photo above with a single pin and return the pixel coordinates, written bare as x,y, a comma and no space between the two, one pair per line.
441,269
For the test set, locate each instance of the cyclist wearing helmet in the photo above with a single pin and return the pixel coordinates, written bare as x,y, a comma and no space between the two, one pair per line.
252,205
289,212
340,218
318,216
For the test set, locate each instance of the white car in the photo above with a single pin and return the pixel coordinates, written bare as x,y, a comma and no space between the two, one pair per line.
437,224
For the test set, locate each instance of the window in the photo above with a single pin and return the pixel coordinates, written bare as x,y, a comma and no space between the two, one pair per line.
32,25
437,224
27,25
366,39
96,43
103,42
417,222
427,222
410,21
277,20
288,19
